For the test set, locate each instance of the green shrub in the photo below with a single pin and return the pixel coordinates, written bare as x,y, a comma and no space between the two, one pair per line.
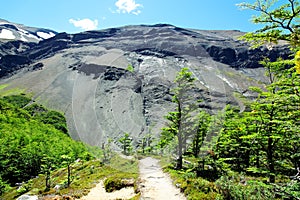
236,189
130,68
194,187
17,100
3,186
113,183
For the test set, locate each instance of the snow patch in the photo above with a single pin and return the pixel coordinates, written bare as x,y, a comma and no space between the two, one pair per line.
45,35
7,34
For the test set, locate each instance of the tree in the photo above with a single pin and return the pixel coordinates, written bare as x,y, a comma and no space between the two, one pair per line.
201,128
126,142
280,22
67,161
46,167
275,113
107,151
145,143
180,121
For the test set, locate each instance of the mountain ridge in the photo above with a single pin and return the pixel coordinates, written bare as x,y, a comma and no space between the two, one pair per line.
15,31
86,75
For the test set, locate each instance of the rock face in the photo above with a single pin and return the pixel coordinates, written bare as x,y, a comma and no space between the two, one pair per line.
119,80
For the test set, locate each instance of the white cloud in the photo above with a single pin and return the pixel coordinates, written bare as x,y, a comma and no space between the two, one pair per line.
85,24
128,6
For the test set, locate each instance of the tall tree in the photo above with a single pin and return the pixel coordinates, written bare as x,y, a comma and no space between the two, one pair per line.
179,121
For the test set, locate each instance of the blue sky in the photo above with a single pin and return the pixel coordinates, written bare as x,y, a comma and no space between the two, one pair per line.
78,15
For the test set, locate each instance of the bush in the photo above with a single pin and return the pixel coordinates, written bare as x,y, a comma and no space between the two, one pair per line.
194,187
115,183
3,186
233,188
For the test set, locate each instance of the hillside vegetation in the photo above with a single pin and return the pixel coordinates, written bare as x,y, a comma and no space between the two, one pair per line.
250,153
34,140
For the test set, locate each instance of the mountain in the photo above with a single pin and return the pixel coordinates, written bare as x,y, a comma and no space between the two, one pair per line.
119,80
12,31
17,38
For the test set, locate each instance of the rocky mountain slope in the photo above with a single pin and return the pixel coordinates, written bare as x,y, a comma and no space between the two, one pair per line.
118,80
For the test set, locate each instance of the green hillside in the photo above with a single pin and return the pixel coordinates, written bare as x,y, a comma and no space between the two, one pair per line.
33,140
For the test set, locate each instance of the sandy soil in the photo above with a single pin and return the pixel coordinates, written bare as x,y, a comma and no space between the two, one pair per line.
99,193
156,185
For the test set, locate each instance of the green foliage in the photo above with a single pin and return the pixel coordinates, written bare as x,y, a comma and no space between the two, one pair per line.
239,189
259,145
193,187
17,100
85,175
67,160
3,186
126,142
130,68
297,62
107,151
201,129
54,118
114,183
180,121
145,144
26,139
280,22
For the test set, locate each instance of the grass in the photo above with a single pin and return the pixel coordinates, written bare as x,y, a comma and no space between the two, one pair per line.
13,91
193,187
3,86
84,177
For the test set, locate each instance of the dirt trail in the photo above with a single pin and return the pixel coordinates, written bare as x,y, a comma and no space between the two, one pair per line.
156,185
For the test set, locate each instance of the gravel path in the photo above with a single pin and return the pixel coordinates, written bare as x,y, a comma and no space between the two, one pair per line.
156,185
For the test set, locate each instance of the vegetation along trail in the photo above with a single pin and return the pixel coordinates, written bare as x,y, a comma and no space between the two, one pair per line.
154,183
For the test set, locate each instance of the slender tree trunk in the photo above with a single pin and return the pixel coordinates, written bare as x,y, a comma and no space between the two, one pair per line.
180,138
196,147
48,179
69,175
179,159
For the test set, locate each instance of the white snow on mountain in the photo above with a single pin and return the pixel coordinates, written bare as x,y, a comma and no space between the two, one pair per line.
7,34
14,31
45,35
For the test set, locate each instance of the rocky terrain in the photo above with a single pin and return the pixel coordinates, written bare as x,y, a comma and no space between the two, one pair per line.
119,80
